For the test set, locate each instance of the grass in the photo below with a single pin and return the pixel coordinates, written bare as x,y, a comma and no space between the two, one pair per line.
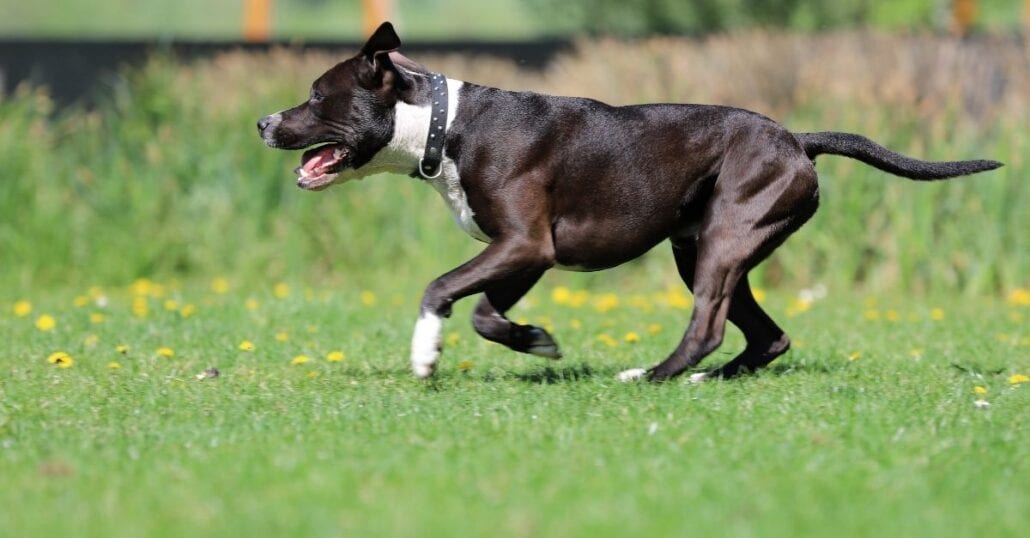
867,427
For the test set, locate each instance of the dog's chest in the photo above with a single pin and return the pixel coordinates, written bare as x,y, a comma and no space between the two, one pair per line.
448,184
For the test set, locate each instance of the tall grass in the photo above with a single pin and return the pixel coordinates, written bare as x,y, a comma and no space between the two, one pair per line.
168,178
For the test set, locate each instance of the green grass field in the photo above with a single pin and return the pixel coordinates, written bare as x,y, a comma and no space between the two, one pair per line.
867,427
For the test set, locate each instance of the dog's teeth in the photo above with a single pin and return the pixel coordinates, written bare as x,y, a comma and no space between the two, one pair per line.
338,153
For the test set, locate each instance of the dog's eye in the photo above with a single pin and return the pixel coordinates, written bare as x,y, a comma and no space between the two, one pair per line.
316,96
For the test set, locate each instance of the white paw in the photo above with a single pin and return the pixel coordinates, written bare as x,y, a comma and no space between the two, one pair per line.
632,374
699,377
425,344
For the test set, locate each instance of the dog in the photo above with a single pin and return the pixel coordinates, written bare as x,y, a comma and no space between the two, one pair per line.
575,184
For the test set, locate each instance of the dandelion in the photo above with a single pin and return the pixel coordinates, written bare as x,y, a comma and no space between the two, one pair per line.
980,390
916,353
677,298
281,290
246,345
631,337
561,295
368,298
220,285
654,329
465,366
61,359
122,348
142,287
113,365
936,314
335,356
171,305
140,308
1019,297
90,340
165,352
46,322
187,310
575,323
453,338
313,374
872,314
798,305
22,308
1016,379
607,340
891,315
80,301
282,336
854,355
251,304
758,294
606,302
97,318
300,359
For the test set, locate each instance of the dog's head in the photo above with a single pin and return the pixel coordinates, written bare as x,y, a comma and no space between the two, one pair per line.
348,118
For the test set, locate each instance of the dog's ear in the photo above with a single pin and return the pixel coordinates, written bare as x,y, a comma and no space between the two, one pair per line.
383,40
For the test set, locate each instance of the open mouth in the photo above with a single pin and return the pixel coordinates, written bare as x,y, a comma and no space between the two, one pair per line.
319,166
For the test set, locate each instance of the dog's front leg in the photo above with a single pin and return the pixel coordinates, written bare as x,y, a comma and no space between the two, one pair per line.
506,258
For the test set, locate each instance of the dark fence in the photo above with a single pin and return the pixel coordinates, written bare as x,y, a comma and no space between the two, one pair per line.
72,70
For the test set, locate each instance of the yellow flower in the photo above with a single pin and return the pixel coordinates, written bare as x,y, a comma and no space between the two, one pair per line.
465,365
916,353
872,314
1016,379
575,323
677,298
91,340
142,286
281,290
936,314
980,390
61,359
1019,297
891,315
654,328
607,340
313,374
605,302
220,285
759,294
187,310
46,322
246,345
368,298
251,304
113,365
282,336
299,359
453,338
97,318
854,355
798,306
335,356
140,308
171,305
122,348
165,352
561,295
631,337
22,308
80,301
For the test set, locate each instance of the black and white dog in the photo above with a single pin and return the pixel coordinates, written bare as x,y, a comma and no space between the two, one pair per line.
577,184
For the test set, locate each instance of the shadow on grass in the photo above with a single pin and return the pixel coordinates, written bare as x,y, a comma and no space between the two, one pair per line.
551,376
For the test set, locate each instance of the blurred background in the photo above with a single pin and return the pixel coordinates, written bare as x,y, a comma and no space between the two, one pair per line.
128,150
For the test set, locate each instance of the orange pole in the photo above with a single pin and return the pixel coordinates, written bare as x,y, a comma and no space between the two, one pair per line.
1026,14
257,20
374,13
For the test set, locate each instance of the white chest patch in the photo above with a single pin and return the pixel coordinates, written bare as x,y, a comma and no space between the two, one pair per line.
448,184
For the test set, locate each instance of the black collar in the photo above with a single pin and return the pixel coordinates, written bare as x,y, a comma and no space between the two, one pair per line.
429,166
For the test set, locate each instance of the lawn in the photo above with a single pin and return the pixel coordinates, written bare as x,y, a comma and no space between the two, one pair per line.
869,426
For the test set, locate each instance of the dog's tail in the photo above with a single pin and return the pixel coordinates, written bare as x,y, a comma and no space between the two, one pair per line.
871,153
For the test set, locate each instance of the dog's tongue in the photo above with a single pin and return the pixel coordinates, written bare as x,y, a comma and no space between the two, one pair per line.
316,160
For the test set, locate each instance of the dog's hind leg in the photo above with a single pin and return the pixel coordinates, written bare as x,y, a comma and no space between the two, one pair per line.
489,321
765,340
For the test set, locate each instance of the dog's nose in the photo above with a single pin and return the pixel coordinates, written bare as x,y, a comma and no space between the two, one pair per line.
262,123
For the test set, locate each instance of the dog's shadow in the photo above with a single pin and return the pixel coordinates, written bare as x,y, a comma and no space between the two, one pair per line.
550,375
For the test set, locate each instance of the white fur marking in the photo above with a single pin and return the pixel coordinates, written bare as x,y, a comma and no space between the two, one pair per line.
425,344
632,374
699,377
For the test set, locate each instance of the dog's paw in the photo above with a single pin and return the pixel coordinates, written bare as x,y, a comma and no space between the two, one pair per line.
633,374
699,377
542,344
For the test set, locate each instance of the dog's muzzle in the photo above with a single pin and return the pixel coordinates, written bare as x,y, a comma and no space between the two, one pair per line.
267,125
